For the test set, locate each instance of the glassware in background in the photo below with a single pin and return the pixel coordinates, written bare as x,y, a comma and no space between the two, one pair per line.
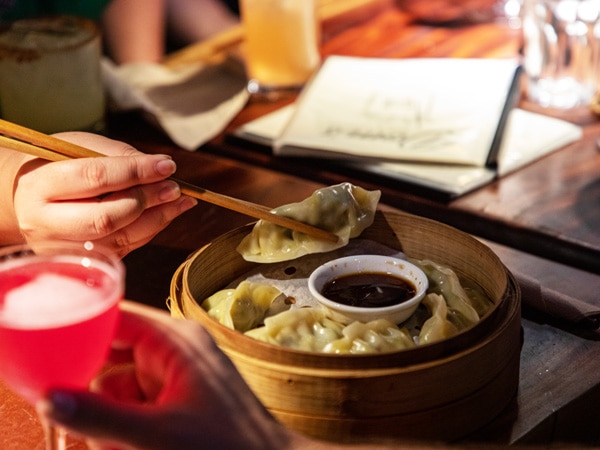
281,43
509,11
50,74
561,51
58,314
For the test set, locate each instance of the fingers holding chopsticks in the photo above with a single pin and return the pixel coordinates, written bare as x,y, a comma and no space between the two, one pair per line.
122,201
53,148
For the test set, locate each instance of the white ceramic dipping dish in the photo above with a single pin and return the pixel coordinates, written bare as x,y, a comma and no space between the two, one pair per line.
397,267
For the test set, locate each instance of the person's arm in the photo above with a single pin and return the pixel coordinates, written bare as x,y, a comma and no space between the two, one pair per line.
171,387
10,162
121,201
134,30
194,20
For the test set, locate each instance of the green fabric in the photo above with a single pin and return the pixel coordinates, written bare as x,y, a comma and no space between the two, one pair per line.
19,9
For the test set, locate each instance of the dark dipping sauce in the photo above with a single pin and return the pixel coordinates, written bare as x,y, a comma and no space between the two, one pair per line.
369,290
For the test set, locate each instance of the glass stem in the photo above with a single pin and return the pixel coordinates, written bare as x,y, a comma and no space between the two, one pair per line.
56,437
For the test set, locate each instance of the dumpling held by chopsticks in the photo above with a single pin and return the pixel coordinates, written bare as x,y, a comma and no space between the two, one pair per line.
343,209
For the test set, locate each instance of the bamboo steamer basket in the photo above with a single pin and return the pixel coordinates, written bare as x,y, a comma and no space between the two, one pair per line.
440,391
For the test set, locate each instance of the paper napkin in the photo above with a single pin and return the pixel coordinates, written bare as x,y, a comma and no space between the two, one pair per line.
558,304
191,103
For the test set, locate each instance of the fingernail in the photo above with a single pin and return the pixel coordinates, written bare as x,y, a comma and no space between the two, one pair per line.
169,192
60,405
166,167
187,203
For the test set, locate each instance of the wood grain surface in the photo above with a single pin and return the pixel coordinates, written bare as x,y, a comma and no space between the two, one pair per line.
543,220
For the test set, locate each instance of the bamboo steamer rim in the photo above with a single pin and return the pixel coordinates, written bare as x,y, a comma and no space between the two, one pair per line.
351,369
366,372
183,304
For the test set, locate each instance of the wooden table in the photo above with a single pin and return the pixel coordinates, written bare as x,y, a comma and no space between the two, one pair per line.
560,370
541,221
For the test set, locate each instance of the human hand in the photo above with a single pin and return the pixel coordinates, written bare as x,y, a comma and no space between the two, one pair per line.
121,202
168,387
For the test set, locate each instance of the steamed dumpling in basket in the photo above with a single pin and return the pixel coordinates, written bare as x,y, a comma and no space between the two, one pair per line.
343,209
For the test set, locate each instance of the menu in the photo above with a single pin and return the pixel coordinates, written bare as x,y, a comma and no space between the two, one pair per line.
528,137
414,125
442,110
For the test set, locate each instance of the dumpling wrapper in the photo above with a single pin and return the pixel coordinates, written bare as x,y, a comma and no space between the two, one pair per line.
343,209
312,329
307,329
437,327
377,336
244,307
444,281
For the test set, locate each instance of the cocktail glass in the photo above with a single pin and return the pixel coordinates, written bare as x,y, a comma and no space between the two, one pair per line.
58,313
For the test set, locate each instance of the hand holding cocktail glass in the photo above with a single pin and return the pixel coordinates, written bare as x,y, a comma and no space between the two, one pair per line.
58,314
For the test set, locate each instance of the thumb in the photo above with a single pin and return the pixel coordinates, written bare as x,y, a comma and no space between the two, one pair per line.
94,416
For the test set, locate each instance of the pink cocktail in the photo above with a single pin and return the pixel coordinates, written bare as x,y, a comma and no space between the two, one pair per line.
58,314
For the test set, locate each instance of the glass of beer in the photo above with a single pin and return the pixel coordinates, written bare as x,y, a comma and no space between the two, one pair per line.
282,44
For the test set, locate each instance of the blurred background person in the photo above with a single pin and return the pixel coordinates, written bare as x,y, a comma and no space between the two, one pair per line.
137,30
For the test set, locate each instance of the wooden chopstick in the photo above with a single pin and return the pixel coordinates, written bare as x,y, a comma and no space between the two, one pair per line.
25,140
212,49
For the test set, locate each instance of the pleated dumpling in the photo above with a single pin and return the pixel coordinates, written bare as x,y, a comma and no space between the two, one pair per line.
311,329
307,329
452,308
246,306
463,310
377,336
343,209
437,327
